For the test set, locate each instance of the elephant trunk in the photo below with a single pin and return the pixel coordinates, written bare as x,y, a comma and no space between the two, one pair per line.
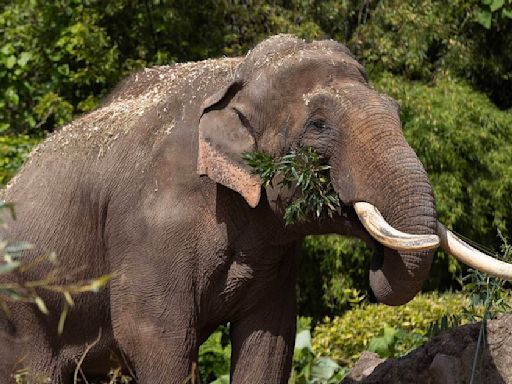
381,169
396,276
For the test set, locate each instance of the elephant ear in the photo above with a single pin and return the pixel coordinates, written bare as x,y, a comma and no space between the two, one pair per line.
223,139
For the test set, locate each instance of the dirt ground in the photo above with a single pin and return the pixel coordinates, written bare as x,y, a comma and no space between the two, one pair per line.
446,359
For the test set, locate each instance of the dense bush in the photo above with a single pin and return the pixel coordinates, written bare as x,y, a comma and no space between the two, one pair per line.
431,38
344,338
58,58
214,357
333,275
13,152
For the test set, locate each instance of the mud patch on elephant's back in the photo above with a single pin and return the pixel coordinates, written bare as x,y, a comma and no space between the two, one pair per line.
153,93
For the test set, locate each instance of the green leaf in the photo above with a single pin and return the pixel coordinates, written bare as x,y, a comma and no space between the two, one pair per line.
383,345
324,368
41,305
18,247
301,170
484,18
10,62
224,379
303,340
7,49
12,96
506,13
96,284
9,267
12,294
24,58
497,4
62,319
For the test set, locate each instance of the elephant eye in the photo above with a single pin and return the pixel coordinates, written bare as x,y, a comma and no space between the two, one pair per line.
318,125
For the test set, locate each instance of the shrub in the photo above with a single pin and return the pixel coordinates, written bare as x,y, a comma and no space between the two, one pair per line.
429,38
333,272
214,357
344,338
13,152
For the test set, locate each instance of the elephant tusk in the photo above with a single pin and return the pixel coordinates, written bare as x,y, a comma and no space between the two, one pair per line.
472,257
388,236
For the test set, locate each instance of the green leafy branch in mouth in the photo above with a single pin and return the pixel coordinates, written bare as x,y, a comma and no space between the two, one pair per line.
301,169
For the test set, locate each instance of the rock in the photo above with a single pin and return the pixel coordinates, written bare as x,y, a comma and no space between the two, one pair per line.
445,369
364,367
448,359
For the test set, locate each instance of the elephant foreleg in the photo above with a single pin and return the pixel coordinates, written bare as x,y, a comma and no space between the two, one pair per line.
263,341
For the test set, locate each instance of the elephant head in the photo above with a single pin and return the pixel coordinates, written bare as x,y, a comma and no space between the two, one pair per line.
290,93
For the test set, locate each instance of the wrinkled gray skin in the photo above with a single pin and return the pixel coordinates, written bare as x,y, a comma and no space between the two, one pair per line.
119,190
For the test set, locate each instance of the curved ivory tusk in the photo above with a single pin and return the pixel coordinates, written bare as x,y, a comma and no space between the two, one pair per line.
389,236
468,255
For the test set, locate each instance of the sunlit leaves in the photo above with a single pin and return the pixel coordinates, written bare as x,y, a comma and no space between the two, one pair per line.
345,337
490,8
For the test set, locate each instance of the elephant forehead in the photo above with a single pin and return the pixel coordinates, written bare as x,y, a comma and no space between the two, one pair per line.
345,94
305,58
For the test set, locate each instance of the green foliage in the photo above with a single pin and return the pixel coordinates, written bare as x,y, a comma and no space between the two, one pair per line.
385,343
488,298
488,293
301,170
408,38
333,273
493,9
344,338
389,331
214,357
13,152
58,59
54,56
309,369
432,38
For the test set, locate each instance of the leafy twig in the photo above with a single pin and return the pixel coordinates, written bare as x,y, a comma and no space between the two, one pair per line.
303,170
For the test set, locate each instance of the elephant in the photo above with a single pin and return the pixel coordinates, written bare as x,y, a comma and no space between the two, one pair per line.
152,188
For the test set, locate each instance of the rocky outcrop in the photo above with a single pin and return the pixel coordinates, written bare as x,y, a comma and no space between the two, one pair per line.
446,359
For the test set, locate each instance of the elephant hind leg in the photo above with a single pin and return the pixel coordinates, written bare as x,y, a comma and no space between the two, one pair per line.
27,358
158,353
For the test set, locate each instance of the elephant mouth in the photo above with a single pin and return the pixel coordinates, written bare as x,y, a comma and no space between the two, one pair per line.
384,234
